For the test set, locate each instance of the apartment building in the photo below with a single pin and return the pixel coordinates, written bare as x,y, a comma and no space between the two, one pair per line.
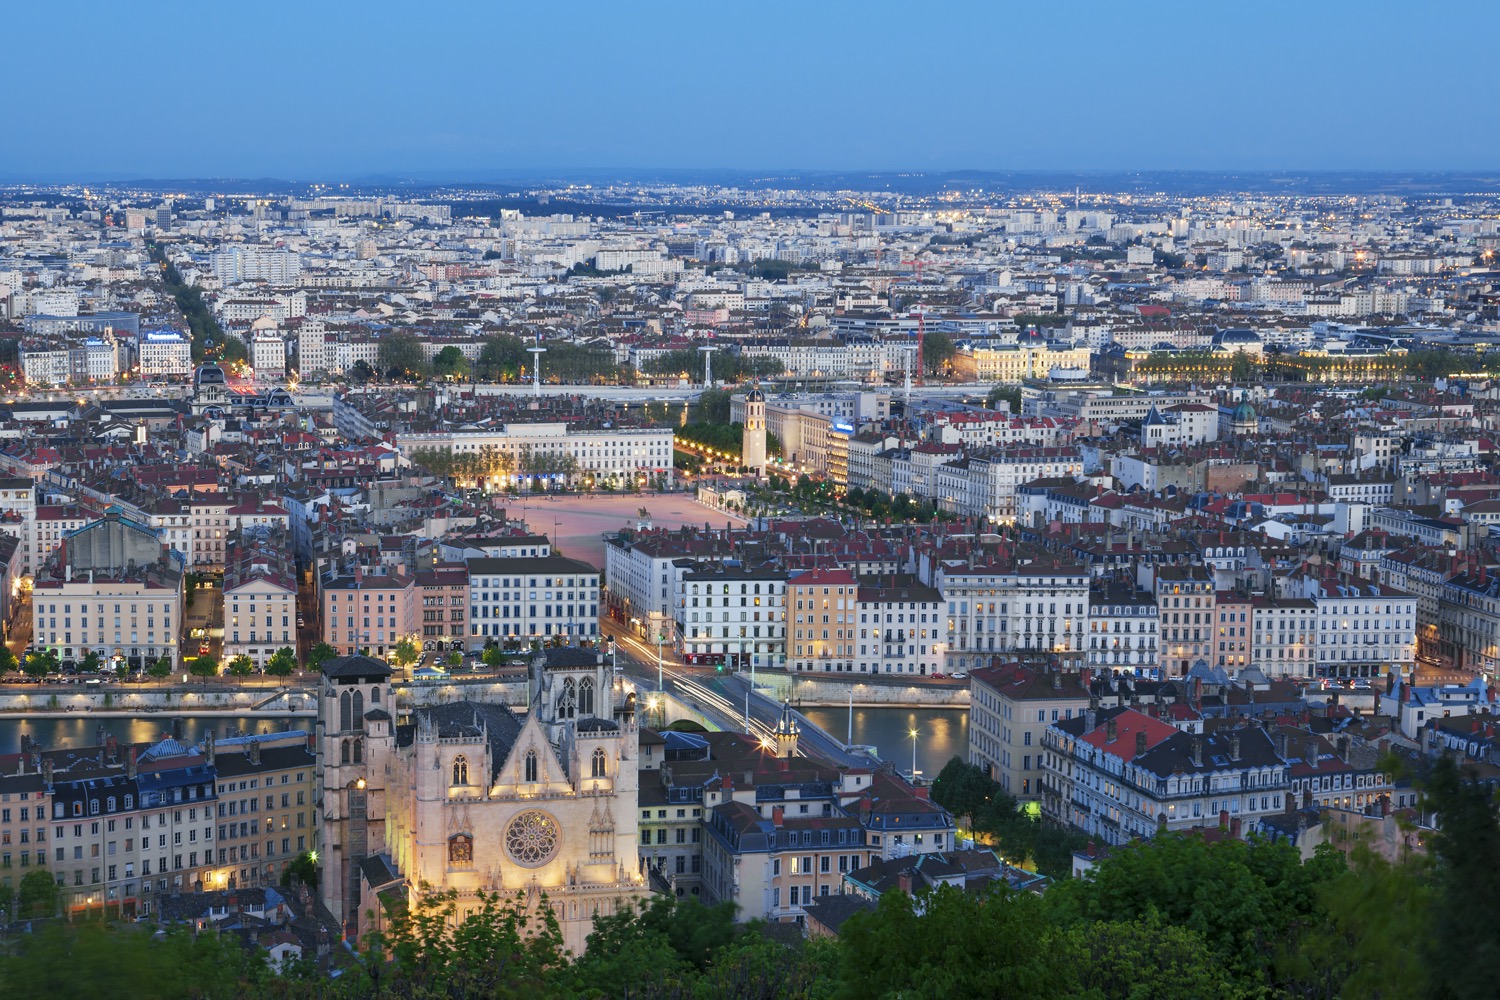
259,595
734,616
515,601
1283,635
900,628
368,608
1123,629
821,605
114,589
444,593
1010,708
266,793
1117,774
1185,604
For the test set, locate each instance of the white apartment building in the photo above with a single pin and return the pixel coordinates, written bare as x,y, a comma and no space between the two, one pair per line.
260,597
311,348
253,263
900,628
1283,636
1122,629
1015,605
514,601
734,616
164,352
1365,629
112,587
268,354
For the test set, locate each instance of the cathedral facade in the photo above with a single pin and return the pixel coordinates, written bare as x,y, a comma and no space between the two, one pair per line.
469,796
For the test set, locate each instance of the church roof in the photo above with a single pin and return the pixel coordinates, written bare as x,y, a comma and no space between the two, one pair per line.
355,666
469,720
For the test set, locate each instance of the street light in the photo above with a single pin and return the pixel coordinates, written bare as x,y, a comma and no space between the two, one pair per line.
913,734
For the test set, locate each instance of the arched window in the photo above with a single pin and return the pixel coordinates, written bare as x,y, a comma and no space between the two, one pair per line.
598,770
375,696
359,751
460,770
344,715
567,702
530,765
359,710
586,696
344,752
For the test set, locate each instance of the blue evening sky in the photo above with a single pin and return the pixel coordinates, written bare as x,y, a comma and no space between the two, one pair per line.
319,90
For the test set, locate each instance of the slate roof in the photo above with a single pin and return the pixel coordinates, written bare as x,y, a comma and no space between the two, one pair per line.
469,720
355,666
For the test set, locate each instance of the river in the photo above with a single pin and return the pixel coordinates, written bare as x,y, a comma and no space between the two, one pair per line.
75,733
942,733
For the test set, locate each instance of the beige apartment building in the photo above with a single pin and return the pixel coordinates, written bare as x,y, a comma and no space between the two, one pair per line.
1010,707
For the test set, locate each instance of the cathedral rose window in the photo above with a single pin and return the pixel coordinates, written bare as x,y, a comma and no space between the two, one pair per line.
531,839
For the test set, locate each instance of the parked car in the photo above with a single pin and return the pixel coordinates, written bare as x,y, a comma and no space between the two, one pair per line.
962,675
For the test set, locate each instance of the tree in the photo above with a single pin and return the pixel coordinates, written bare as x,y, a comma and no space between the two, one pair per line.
8,660
38,894
493,657
361,371
320,653
41,662
406,651
937,350
160,669
965,790
401,355
303,868
204,666
1004,393
454,659
450,363
90,663
241,666
1467,849
282,663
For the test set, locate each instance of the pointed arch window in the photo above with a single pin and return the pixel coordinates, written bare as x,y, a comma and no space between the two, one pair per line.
344,757
586,696
531,765
567,701
345,715
460,770
359,751
375,696
599,769
359,711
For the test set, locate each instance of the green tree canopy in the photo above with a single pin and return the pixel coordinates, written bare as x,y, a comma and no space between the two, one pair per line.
400,354
282,663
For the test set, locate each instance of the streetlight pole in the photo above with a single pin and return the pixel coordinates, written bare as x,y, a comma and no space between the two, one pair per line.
659,637
913,735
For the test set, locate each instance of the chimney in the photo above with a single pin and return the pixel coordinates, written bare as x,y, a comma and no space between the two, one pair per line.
130,762
1234,746
1197,751
1111,731
208,748
904,881
1223,818
255,752
47,772
778,816
1312,752
1140,743
1234,828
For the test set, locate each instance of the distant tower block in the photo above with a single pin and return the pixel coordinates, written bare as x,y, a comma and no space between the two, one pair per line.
708,371
753,441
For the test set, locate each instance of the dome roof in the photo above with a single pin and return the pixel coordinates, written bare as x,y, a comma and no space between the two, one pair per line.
755,396
210,375
1244,413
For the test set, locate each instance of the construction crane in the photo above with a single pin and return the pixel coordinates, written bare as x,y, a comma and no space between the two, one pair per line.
921,319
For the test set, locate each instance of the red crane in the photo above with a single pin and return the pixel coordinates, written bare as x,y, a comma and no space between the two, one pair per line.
921,319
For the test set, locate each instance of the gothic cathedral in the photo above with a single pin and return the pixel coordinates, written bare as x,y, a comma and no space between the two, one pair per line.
472,797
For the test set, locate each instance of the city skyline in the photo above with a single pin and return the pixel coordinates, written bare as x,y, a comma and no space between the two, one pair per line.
316,95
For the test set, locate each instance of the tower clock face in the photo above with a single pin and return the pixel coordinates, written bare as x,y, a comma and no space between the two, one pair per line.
532,839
